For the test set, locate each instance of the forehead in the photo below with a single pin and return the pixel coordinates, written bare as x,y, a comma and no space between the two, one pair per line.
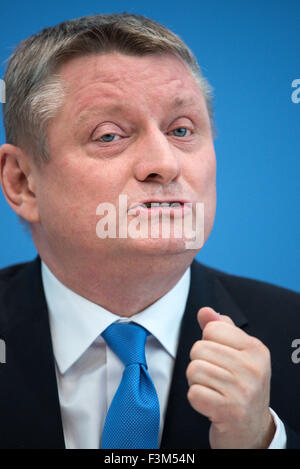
118,77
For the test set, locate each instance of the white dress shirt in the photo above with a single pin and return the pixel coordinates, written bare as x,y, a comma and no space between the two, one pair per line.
88,372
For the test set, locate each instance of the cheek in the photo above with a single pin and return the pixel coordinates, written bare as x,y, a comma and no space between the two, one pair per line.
211,197
68,197
203,173
209,182
204,180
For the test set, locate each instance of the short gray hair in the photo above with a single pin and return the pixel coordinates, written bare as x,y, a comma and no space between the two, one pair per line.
34,91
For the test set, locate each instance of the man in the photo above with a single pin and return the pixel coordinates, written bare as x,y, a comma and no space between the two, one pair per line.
98,108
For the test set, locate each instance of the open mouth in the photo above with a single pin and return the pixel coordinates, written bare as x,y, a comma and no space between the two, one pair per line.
160,204
174,208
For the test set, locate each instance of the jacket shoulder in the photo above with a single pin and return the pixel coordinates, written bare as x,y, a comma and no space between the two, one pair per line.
251,294
9,272
19,284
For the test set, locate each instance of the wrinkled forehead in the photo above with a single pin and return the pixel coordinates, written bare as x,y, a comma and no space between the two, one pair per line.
116,67
151,81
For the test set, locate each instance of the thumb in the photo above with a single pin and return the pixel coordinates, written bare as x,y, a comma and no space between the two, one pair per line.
207,314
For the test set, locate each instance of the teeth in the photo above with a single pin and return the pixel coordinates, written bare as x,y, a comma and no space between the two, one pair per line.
161,204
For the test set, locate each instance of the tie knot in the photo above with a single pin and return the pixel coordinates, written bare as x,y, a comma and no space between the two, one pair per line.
127,341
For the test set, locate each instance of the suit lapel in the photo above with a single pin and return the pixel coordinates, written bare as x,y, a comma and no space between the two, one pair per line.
33,419
184,427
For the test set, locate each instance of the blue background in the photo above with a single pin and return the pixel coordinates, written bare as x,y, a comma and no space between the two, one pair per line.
249,51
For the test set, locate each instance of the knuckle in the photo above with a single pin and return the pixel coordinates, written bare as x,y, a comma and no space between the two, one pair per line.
199,400
247,392
254,370
266,355
227,319
192,394
210,329
258,346
190,371
258,361
195,349
261,373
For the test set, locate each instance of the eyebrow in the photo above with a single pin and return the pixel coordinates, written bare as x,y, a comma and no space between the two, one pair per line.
95,110
176,103
183,102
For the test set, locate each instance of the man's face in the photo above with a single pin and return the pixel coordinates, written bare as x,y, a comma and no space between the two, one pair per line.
132,126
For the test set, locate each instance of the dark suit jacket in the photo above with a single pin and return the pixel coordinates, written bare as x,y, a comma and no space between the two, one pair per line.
29,406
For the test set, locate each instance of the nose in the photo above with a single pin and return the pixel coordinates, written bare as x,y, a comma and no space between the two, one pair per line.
157,160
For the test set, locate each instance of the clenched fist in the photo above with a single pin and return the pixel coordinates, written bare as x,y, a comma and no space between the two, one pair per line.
229,382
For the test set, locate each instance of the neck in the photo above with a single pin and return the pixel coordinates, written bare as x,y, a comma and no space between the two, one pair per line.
122,287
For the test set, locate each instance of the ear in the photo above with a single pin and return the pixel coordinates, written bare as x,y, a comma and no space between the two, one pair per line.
18,182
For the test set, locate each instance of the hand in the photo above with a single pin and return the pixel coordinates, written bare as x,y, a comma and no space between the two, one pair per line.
229,378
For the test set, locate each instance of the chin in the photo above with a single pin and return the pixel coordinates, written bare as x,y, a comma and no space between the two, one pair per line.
160,246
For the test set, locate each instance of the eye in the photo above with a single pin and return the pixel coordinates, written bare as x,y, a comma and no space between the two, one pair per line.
107,138
180,132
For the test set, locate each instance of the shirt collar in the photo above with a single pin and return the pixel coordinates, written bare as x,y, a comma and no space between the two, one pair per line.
76,322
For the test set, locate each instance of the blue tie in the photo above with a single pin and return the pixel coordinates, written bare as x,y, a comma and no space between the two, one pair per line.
132,421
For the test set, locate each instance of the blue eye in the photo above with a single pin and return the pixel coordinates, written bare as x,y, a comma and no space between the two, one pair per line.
180,132
107,138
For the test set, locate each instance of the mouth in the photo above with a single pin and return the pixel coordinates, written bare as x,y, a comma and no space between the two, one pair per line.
173,207
161,204
155,203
